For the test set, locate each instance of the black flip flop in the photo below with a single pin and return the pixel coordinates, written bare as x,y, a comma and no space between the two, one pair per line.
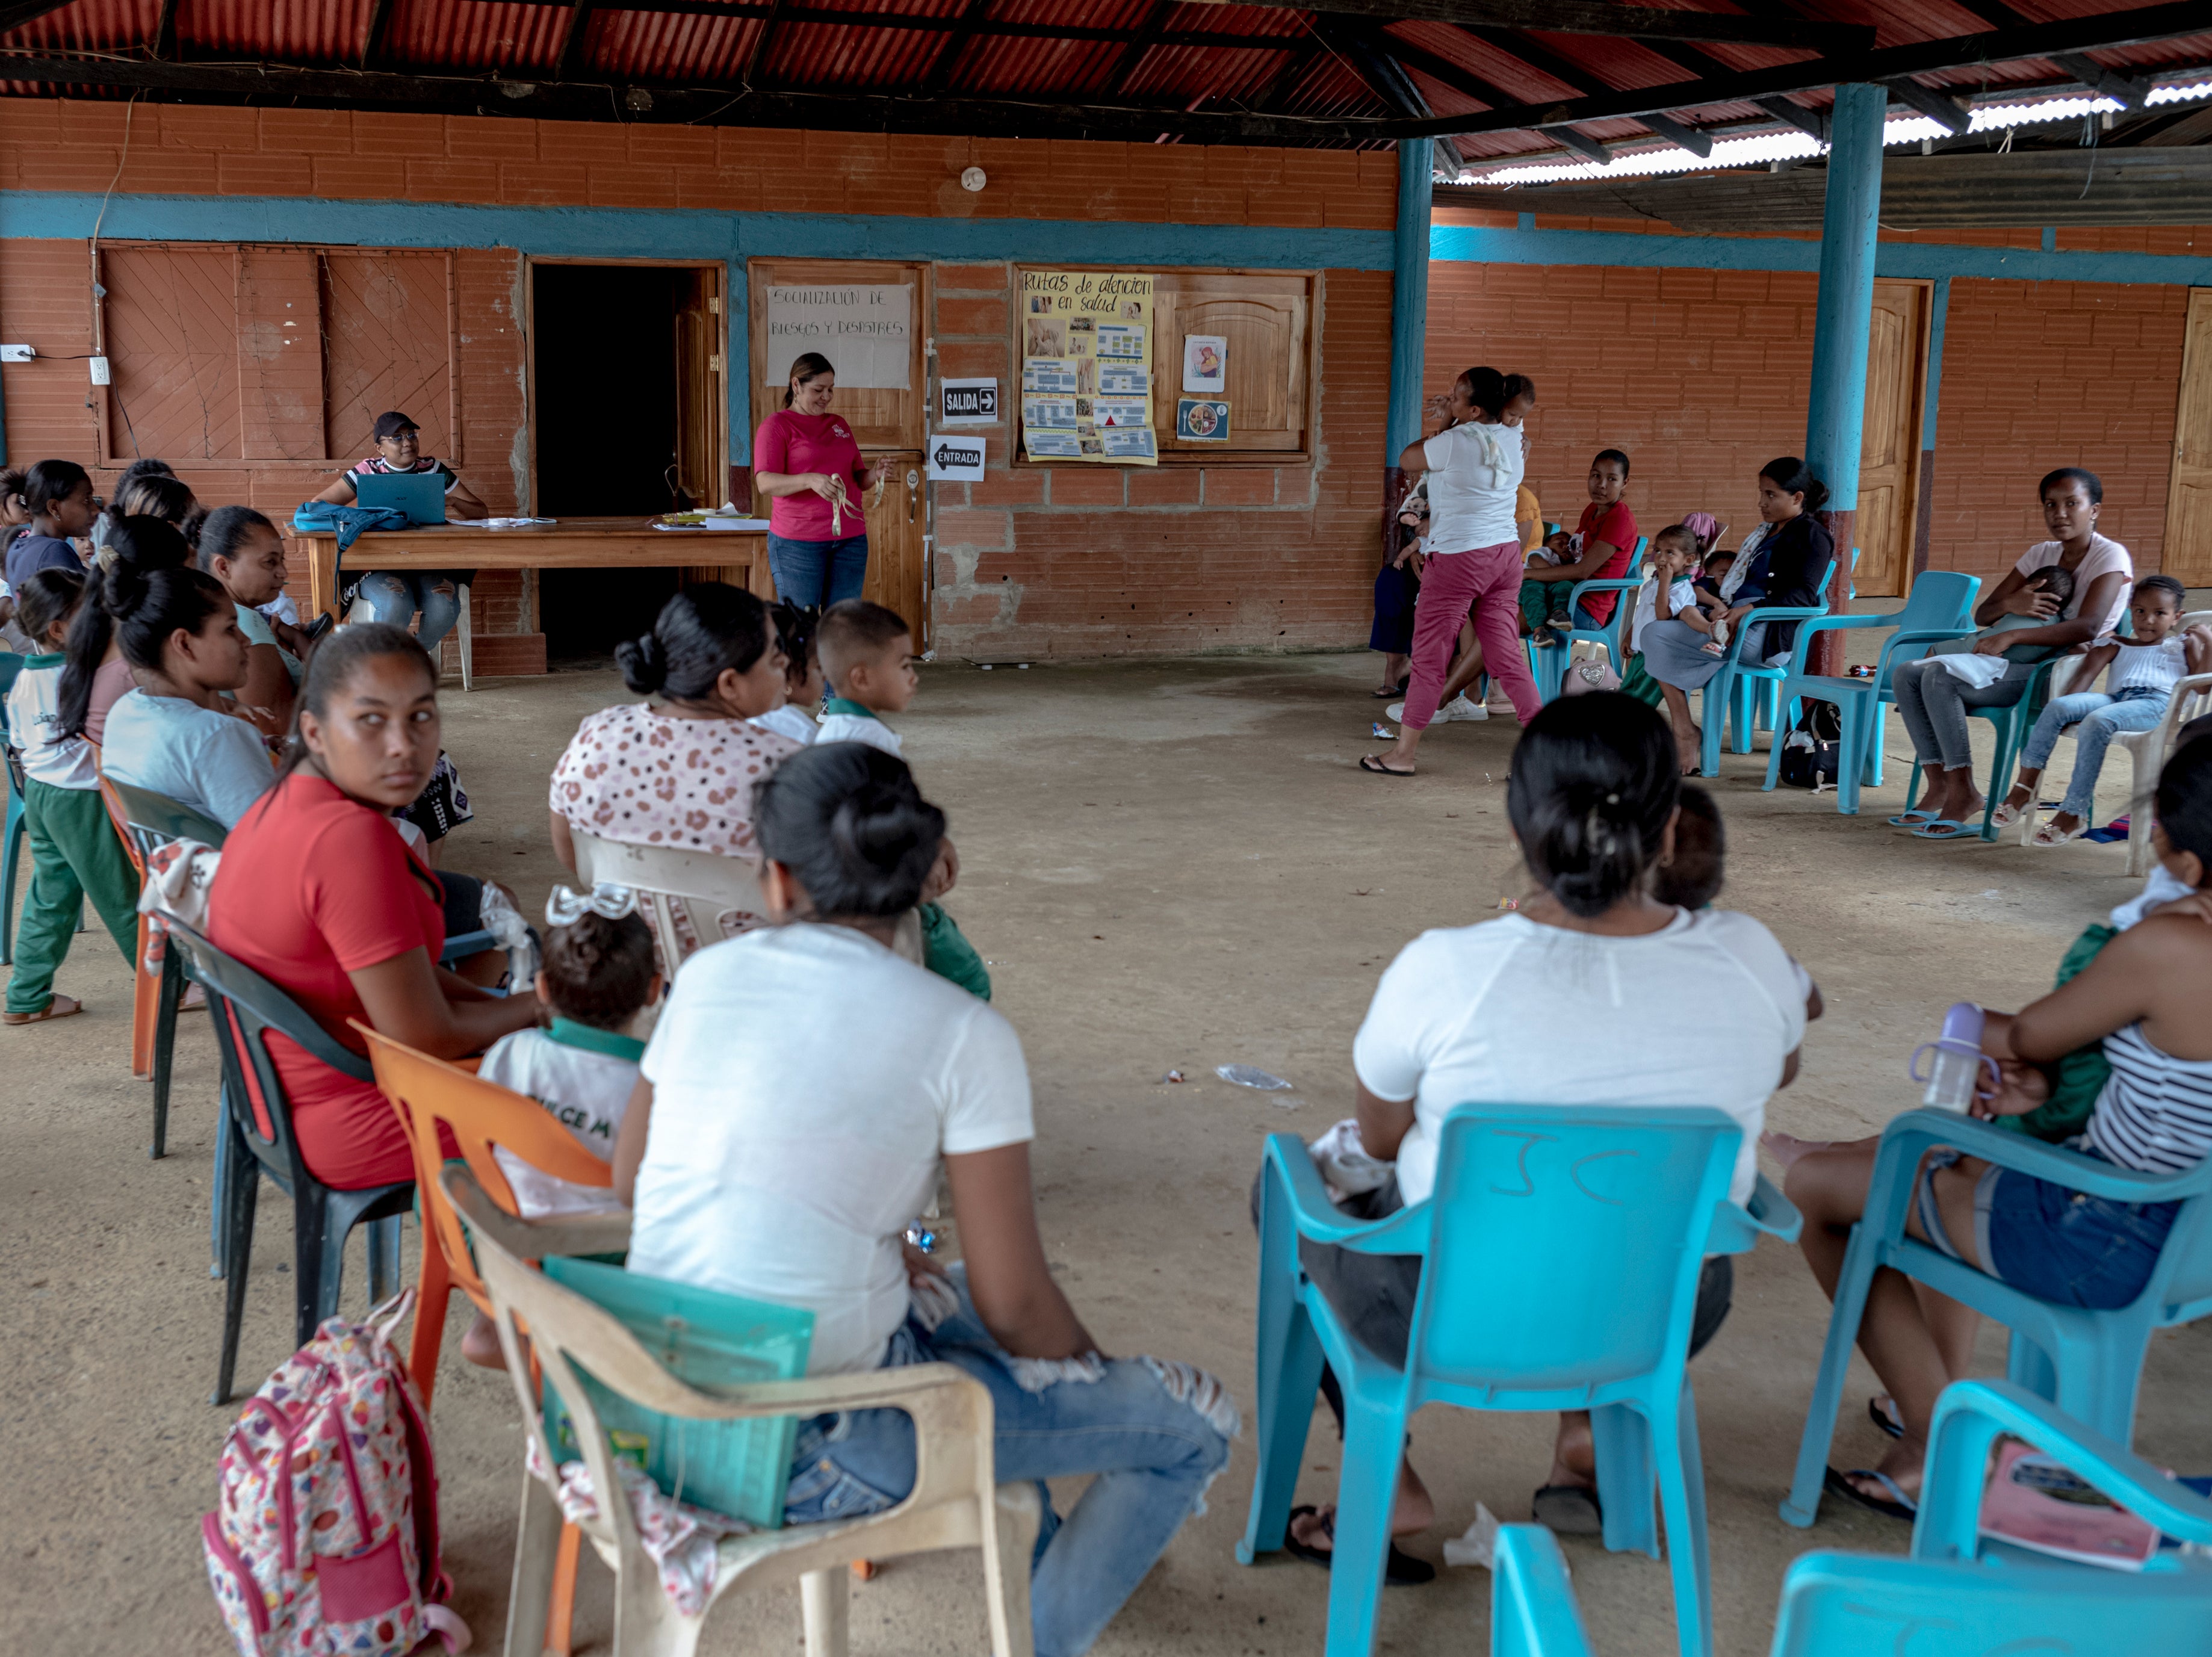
1568,1510
1885,1419
1837,1484
1379,769
1400,1569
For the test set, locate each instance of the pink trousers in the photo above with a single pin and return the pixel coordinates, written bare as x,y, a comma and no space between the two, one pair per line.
1488,577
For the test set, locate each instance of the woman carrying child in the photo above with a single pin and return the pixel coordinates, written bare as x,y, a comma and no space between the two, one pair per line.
768,1153
75,854
1593,797
58,495
2138,688
1934,701
1474,556
2143,995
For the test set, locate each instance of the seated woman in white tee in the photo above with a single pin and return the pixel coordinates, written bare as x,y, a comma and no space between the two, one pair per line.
799,1098
1595,993
179,630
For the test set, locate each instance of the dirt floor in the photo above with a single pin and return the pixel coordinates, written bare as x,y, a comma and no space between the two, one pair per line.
1169,866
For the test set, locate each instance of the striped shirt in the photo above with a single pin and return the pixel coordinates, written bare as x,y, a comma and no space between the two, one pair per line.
2155,1113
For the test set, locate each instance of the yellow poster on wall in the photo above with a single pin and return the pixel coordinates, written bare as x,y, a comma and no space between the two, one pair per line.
1087,366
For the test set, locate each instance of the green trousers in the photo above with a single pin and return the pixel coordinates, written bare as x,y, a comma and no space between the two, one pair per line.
1637,683
75,855
1541,600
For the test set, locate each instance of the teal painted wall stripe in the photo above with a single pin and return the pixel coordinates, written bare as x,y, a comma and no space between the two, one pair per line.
584,232
1939,312
1473,245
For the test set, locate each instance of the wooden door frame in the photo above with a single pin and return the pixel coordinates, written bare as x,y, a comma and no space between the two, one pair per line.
2194,296
1909,541
530,263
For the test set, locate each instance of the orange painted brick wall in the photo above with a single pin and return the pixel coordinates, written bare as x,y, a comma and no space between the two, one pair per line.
1034,561
1701,376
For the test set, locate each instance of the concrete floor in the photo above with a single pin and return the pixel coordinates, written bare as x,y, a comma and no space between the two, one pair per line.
1169,866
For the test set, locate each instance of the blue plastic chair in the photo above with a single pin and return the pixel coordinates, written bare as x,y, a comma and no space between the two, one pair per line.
1729,693
1532,1610
1940,607
1959,1593
2087,1363
1580,1299
2012,724
1547,664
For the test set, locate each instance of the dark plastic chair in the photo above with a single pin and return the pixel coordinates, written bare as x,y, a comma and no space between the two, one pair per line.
247,1008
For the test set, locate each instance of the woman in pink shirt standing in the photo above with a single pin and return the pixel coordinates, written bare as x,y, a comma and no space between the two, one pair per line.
808,463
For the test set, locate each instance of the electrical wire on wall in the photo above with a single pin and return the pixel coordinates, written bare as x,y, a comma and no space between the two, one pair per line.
99,293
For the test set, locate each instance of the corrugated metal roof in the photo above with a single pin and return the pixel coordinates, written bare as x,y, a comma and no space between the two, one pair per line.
1171,55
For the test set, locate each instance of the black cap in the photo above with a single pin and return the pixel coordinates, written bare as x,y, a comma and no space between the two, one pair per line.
392,423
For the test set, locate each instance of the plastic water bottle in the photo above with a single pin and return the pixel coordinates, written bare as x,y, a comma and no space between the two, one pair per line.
1957,1062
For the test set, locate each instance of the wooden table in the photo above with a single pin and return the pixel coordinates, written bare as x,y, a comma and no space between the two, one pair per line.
736,556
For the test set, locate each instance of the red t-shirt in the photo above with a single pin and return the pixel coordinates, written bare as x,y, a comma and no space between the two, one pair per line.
788,441
311,886
1616,526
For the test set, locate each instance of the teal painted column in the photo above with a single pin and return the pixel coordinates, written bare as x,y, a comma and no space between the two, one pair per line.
1409,320
1835,416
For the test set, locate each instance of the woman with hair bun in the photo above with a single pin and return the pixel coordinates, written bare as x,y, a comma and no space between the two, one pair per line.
1473,471
680,774
802,1094
1574,999
98,674
1789,568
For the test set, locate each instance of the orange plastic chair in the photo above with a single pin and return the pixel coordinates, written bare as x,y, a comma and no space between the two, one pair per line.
428,1093
145,987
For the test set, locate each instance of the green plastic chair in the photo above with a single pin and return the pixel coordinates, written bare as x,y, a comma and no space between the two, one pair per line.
1562,1248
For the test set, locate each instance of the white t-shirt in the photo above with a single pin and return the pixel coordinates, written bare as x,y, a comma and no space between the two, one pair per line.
806,1083
1518,1013
215,763
795,723
1679,597
35,724
582,1076
2105,555
1474,482
858,727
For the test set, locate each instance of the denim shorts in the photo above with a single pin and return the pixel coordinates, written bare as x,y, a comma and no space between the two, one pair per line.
2057,1244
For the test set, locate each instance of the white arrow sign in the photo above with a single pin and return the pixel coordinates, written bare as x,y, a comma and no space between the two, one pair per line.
956,460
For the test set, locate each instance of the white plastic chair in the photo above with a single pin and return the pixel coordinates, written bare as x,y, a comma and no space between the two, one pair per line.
955,1502
461,627
700,887
2148,749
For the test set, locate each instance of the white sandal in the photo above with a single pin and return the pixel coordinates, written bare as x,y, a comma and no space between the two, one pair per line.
2052,835
2008,814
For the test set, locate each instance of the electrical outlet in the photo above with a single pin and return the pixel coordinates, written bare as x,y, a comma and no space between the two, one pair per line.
99,371
17,352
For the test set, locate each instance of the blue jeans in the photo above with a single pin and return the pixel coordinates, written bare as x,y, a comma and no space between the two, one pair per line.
1154,1452
817,572
394,596
2102,718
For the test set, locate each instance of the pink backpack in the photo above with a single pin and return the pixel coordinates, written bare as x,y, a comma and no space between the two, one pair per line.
324,1535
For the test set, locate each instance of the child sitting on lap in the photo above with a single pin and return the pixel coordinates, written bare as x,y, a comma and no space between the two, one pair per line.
867,658
2138,688
1982,659
796,629
599,976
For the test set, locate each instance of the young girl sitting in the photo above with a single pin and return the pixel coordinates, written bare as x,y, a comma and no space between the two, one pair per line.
1667,595
2144,995
803,685
75,854
2144,671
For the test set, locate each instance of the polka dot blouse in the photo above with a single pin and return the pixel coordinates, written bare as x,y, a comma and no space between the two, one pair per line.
633,774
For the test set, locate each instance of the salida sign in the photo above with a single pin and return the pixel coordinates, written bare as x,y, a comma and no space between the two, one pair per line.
968,402
956,460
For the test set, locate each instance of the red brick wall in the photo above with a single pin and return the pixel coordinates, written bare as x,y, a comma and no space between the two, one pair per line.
1040,562
1701,376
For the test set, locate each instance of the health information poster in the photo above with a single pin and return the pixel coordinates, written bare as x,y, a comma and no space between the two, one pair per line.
1087,366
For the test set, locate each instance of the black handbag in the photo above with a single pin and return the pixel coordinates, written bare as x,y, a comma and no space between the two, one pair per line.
1812,754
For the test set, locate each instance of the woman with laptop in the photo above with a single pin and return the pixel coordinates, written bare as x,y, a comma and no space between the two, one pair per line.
393,595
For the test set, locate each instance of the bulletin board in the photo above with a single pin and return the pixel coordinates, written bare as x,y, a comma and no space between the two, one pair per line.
1255,407
1087,366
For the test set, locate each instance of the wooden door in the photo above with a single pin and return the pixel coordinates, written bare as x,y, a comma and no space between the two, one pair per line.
702,406
1889,442
896,578
881,417
2188,497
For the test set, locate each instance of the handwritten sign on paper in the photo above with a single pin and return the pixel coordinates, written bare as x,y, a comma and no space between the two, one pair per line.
867,332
